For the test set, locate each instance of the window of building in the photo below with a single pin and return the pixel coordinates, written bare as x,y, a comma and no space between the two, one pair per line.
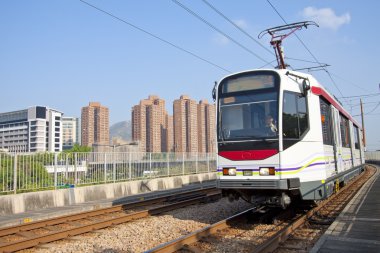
57,123
57,118
345,131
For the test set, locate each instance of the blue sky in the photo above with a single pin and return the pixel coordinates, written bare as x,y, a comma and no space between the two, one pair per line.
63,54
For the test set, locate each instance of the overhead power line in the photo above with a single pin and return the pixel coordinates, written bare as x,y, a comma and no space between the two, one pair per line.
156,37
304,45
248,35
374,109
362,96
218,30
349,82
236,26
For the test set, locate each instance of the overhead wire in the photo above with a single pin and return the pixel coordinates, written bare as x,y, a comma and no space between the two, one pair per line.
369,113
156,37
349,82
219,31
236,26
364,95
304,45
247,34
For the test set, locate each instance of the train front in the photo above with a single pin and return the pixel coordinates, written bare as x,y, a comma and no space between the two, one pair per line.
248,139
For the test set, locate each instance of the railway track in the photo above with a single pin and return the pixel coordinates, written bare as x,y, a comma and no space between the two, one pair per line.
239,234
40,232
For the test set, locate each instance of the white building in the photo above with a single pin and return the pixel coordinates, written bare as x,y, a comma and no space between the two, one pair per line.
70,132
36,129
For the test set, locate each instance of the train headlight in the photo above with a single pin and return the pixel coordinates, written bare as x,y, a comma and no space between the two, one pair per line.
229,171
267,171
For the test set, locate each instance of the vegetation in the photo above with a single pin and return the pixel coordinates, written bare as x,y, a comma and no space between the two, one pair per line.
78,149
31,173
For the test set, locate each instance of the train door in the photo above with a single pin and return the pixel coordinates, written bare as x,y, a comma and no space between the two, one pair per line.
339,166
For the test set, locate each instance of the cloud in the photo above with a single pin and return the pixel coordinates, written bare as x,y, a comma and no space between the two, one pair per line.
221,40
326,17
241,23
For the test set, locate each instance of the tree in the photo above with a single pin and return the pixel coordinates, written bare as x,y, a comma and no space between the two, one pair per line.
78,149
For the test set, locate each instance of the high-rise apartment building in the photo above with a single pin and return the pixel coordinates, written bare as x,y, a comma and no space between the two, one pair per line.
169,134
71,132
150,125
206,127
36,129
185,117
95,124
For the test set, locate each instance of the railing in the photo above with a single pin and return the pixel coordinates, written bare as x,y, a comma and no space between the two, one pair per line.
35,172
372,157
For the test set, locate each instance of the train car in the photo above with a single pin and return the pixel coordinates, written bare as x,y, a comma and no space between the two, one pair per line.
281,137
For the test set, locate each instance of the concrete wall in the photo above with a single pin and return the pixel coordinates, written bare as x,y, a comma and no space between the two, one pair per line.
19,203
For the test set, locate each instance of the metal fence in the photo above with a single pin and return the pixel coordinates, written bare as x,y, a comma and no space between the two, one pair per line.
372,156
35,172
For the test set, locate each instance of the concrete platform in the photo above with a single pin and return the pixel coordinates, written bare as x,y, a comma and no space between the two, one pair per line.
357,228
41,213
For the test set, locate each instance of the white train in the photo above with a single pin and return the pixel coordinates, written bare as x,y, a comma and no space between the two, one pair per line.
282,136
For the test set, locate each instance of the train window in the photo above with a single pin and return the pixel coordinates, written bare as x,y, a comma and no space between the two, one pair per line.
302,114
295,118
356,136
326,122
344,132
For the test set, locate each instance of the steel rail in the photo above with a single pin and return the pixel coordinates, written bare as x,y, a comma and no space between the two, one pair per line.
197,235
87,214
282,235
268,246
33,240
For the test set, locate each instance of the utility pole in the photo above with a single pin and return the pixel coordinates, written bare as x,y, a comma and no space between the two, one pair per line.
362,113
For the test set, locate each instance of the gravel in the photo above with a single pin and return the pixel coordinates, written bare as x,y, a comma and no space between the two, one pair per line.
144,234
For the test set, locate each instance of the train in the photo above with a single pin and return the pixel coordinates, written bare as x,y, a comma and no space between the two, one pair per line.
282,137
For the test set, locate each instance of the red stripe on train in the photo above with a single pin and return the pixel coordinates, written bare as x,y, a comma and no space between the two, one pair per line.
248,154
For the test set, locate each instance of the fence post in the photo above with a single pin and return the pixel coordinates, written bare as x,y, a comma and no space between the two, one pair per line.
105,167
168,164
208,162
55,171
15,173
130,165
183,163
67,169
114,167
75,169
196,163
150,164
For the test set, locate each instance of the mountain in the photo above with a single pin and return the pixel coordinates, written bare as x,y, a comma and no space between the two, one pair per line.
121,130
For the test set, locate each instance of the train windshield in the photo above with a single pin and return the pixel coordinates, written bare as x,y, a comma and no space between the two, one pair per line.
248,107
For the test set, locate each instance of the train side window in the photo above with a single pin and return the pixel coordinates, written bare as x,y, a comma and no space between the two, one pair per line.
356,136
302,114
344,132
295,118
326,122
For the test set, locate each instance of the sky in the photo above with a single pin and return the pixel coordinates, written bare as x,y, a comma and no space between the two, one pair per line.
64,54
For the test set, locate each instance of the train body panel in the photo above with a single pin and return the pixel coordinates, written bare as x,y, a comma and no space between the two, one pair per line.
281,135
